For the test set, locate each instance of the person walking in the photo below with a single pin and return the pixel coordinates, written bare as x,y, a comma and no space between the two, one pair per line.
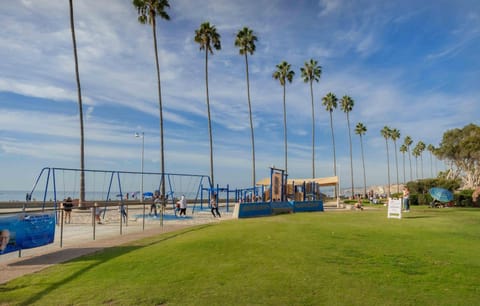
182,204
214,206
406,201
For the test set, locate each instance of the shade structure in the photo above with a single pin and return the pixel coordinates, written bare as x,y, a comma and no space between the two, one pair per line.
441,194
325,181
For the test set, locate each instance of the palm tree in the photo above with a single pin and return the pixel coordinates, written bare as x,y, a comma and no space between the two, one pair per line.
245,41
395,134
209,39
80,111
403,150
416,154
147,11
311,72
346,104
283,74
360,130
408,142
330,103
421,147
386,133
431,149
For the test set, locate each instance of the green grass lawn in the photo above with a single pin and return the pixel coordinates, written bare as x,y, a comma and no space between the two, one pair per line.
430,257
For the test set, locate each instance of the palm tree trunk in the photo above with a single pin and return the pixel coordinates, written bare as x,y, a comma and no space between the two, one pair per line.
334,155
80,110
396,163
251,123
431,165
404,177
351,155
410,162
363,162
285,130
162,151
421,165
313,130
209,120
388,168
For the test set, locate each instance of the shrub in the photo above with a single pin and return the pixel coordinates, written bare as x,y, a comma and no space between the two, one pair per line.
463,198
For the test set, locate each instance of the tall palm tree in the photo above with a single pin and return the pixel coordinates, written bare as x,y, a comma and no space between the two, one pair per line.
421,147
209,39
431,149
408,142
346,104
330,103
416,154
284,74
403,150
148,10
395,134
245,41
360,130
312,72
386,133
80,111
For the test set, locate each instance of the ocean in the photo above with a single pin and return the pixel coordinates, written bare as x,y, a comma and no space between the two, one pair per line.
20,195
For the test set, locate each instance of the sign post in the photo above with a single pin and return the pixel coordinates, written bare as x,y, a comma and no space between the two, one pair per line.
394,208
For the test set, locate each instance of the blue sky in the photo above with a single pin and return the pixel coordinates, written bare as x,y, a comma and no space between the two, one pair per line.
410,65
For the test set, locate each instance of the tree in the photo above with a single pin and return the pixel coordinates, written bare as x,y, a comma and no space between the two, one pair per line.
330,103
80,111
312,72
346,104
395,134
403,150
360,130
245,41
284,74
147,11
421,147
431,150
209,39
408,142
386,133
416,153
460,148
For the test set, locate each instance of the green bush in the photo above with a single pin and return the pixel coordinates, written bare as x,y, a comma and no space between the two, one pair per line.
422,186
463,198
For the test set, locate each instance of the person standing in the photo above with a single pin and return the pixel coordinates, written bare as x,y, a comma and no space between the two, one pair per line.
183,205
406,201
153,207
67,208
214,206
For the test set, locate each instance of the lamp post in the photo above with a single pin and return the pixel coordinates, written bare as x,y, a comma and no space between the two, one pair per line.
138,135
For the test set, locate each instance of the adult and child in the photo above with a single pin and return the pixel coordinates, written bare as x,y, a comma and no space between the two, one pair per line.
182,205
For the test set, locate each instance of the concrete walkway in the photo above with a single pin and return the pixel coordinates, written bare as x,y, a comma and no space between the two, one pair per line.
77,239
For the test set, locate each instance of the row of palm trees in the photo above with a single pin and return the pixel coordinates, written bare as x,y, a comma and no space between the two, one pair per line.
417,151
209,40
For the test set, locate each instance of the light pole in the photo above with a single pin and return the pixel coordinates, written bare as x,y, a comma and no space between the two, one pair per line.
138,135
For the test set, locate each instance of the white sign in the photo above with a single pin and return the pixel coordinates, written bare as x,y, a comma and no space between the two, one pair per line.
394,208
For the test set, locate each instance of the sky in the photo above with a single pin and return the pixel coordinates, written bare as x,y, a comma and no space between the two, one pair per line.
409,65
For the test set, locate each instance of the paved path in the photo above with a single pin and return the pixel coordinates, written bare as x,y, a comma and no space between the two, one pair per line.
78,239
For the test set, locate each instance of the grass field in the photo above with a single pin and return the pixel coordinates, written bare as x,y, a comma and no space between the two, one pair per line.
430,257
